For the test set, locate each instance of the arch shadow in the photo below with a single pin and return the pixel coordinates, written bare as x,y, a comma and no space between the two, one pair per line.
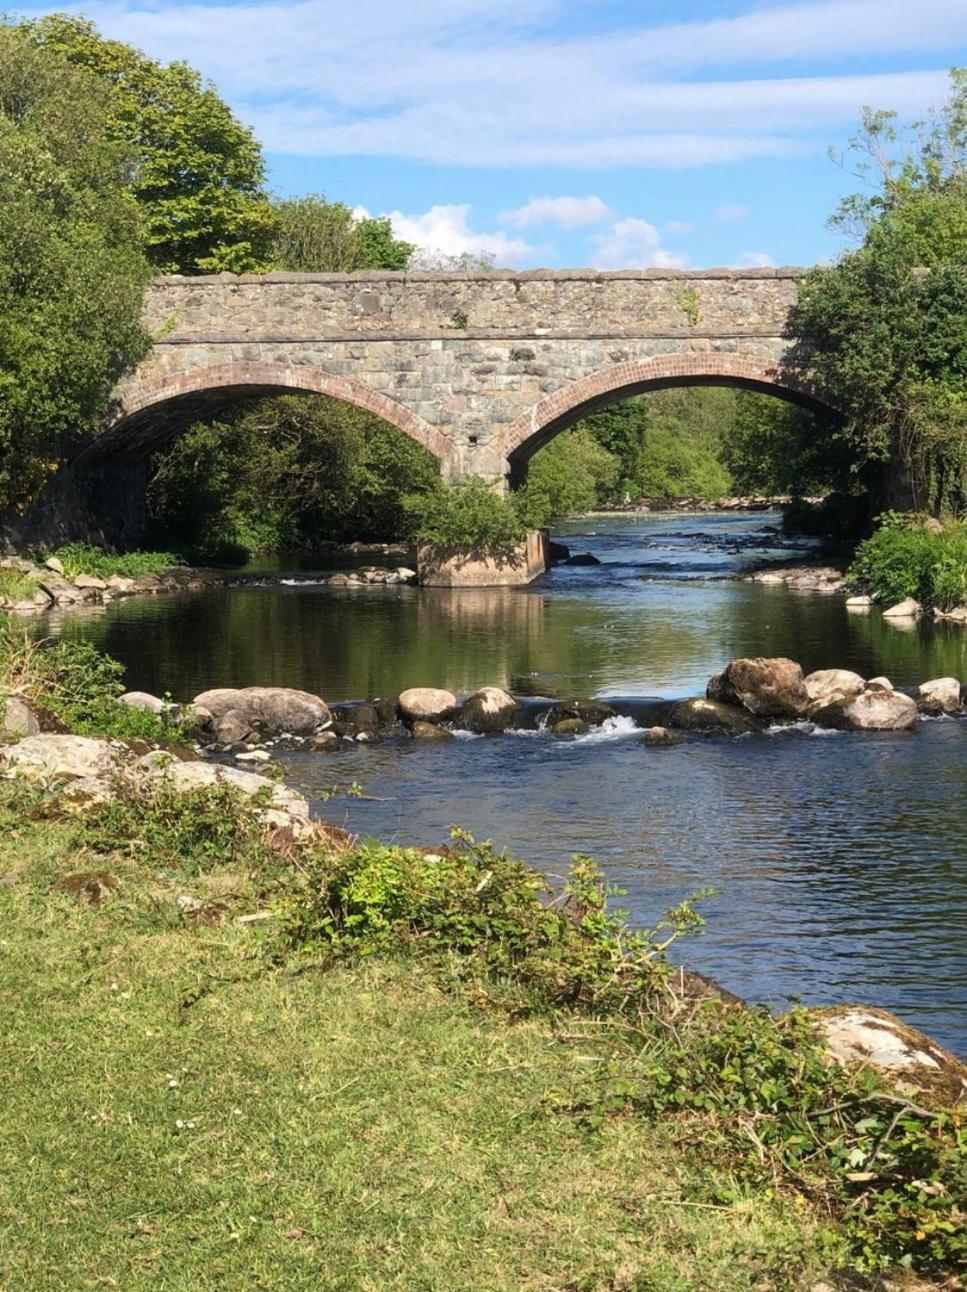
150,412
535,428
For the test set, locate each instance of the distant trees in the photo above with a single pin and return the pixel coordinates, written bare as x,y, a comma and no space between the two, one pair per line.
316,236
72,265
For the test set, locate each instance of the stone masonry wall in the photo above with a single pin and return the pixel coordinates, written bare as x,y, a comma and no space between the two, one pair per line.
480,369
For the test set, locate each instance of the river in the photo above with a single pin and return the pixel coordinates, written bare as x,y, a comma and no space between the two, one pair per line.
839,860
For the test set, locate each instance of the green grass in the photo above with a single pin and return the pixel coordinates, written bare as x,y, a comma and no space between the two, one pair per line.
17,586
179,1115
83,558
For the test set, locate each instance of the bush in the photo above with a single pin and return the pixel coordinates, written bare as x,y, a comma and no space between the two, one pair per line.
570,475
468,515
905,559
83,558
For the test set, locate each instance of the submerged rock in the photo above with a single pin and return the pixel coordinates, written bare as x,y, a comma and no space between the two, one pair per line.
590,712
426,704
265,711
429,731
662,736
942,695
860,1034
767,688
489,709
570,727
701,714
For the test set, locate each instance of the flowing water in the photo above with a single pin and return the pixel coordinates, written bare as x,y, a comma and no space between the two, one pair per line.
839,860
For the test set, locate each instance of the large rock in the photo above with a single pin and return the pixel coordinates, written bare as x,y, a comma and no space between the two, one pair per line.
286,807
489,709
873,710
55,757
143,700
426,704
591,712
860,1034
711,715
768,688
19,718
942,695
357,719
832,686
266,711
906,609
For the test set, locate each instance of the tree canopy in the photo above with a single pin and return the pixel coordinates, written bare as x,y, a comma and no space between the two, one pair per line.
197,172
316,236
72,271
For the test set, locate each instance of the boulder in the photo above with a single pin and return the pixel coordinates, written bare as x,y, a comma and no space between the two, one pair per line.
429,731
906,609
662,736
489,709
859,603
120,586
232,728
591,712
59,590
354,720
19,718
88,583
873,710
143,700
54,757
832,686
879,684
146,583
286,806
942,695
267,710
767,688
582,558
860,1034
426,704
700,714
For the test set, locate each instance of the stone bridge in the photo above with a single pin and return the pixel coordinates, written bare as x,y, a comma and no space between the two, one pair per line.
481,369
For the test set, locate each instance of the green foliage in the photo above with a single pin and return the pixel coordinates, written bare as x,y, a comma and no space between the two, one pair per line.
680,449
466,515
85,558
72,274
884,331
80,686
571,474
686,298
198,172
316,236
771,446
285,473
905,559
15,586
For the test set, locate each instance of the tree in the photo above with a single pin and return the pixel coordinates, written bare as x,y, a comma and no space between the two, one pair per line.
316,236
72,271
198,172
771,446
571,474
884,330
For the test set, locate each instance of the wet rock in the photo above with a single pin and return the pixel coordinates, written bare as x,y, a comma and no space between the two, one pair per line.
354,720
429,731
582,558
767,688
859,603
489,709
53,757
268,710
942,695
570,727
143,700
906,609
324,741
700,714
860,1034
662,736
873,710
426,704
253,756
591,712
832,686
557,552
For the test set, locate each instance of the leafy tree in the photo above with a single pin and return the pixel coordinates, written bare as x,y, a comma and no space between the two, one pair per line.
286,473
72,273
771,446
470,514
316,236
198,172
570,475
884,330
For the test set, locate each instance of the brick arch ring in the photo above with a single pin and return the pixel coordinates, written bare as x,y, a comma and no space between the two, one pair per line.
559,410
272,378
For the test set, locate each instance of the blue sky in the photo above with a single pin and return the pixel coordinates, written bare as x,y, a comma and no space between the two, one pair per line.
689,133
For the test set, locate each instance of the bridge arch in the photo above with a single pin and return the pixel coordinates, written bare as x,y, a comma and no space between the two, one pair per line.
150,410
533,429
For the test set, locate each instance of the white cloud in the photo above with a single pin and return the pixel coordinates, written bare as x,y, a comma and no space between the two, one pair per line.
679,227
732,213
568,212
445,230
633,244
494,82
754,260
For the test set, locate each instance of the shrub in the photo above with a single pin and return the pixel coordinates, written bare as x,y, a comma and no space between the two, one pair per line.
15,586
83,558
468,515
904,559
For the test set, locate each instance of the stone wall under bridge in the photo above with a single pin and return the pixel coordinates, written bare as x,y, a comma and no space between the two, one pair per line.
481,369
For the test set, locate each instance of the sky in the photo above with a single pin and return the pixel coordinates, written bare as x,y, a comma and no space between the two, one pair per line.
649,133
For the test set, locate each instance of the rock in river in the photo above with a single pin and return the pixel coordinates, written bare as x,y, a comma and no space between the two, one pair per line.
489,709
711,715
873,710
942,695
426,704
833,686
590,712
768,688
266,710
